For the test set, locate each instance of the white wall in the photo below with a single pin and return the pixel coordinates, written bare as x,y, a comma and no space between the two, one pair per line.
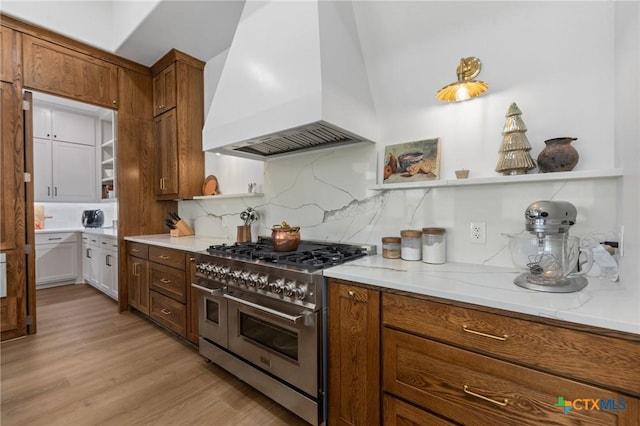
566,64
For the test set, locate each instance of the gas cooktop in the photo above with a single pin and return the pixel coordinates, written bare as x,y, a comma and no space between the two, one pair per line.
309,255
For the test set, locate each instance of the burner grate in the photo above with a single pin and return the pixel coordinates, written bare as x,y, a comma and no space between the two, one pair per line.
310,256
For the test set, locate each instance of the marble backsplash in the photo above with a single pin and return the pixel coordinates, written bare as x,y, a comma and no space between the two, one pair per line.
327,193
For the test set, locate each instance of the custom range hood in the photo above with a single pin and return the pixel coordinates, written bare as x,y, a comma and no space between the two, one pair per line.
294,80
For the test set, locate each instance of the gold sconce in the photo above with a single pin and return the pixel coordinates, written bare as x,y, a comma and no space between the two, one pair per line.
466,87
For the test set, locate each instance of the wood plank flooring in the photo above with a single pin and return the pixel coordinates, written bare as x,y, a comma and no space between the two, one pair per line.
89,365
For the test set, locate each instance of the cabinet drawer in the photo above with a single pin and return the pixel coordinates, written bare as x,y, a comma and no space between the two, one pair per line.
598,359
169,313
474,389
168,281
166,256
56,237
399,413
109,243
138,250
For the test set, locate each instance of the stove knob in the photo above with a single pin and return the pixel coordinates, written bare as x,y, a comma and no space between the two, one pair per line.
277,286
235,275
299,292
289,288
244,278
223,271
208,268
262,282
253,280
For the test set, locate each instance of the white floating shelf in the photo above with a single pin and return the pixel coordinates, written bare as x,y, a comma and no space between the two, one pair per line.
538,177
107,143
221,196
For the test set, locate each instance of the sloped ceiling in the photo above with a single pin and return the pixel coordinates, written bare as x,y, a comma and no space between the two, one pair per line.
202,29
141,32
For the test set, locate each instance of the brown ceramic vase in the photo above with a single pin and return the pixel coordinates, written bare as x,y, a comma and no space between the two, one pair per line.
558,156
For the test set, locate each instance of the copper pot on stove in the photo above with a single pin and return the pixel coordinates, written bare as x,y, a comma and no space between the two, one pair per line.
285,237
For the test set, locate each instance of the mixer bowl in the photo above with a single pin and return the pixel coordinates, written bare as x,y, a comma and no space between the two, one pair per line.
551,258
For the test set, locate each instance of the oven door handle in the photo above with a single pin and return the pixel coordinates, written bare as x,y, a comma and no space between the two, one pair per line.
208,290
293,318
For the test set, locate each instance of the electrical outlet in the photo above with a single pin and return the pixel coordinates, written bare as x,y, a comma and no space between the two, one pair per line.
478,232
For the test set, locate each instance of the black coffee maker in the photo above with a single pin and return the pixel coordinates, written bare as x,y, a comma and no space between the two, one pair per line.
92,218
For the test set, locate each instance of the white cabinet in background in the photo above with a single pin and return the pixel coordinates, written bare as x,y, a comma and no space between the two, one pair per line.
91,259
100,262
109,266
62,125
56,259
64,155
63,171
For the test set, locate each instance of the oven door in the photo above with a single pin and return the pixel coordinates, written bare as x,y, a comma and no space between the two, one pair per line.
279,338
212,313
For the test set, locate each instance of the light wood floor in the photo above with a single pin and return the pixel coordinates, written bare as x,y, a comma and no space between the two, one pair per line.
89,365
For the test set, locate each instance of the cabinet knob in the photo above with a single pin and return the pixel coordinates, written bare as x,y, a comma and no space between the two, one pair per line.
351,293
114,102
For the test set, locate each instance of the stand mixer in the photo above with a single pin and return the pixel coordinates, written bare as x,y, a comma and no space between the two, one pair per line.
546,254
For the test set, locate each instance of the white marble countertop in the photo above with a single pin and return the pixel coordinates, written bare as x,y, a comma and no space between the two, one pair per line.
113,232
192,243
601,303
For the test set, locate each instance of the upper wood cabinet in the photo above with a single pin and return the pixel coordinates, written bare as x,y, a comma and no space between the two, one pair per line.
164,90
166,166
179,160
65,72
10,53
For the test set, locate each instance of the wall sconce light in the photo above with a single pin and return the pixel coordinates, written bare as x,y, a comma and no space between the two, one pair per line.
466,87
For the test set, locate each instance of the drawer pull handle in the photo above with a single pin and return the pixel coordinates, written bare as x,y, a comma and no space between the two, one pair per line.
135,250
493,401
165,281
479,333
163,257
164,311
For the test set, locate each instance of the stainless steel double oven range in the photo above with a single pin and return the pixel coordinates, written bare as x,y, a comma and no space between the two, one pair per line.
261,317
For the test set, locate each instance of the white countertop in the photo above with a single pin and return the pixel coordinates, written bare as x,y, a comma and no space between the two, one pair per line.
192,243
113,232
601,303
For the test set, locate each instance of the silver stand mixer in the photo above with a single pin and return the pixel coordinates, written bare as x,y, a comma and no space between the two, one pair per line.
547,253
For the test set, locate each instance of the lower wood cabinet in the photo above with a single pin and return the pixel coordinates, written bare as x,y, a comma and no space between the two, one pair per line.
354,354
446,363
159,280
138,276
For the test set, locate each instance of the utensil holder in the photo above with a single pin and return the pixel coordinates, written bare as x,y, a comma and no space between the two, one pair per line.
244,234
182,229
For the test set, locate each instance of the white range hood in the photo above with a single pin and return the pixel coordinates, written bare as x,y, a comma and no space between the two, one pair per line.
294,80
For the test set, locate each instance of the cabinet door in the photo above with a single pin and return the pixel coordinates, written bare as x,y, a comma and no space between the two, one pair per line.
10,172
109,273
56,263
166,160
61,71
164,90
354,355
399,413
42,173
91,264
138,283
41,122
73,171
75,128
